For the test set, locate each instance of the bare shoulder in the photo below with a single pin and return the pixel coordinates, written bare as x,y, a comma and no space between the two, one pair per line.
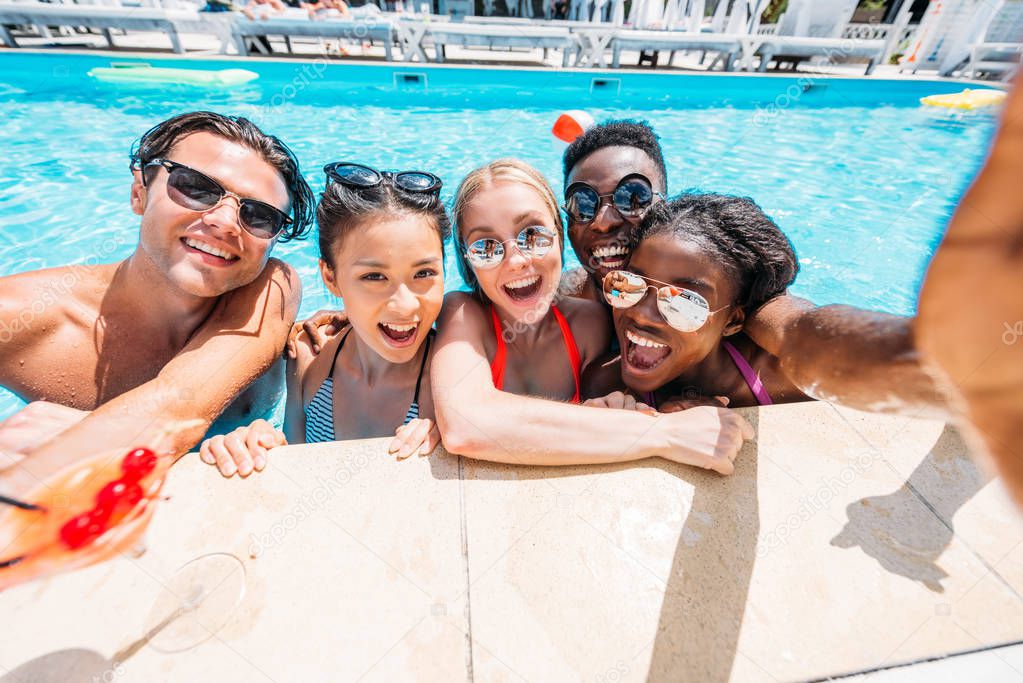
465,319
462,308
591,326
312,368
35,303
768,367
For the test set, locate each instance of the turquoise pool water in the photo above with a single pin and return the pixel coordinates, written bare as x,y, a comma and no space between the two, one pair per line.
860,176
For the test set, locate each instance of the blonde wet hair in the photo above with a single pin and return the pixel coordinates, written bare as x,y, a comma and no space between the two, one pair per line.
501,171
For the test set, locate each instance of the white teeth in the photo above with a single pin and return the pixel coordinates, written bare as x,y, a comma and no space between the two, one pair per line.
400,328
203,247
642,341
611,250
523,282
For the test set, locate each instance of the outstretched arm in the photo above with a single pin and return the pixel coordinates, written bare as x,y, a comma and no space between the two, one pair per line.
479,421
847,355
970,325
242,338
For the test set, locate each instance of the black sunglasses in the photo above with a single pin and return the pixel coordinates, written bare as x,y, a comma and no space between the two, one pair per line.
631,199
196,191
360,176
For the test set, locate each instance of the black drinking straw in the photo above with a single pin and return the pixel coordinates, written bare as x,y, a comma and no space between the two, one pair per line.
20,504
11,562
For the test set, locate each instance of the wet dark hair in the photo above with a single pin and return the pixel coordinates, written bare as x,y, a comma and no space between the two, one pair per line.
161,138
343,209
615,133
750,246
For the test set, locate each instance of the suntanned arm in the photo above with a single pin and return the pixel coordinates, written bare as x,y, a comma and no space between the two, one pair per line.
242,338
970,324
478,421
846,355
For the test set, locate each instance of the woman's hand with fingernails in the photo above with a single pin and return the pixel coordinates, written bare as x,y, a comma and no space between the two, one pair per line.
243,451
706,437
417,436
620,401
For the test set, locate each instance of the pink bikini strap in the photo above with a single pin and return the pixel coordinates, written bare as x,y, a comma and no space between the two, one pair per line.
750,375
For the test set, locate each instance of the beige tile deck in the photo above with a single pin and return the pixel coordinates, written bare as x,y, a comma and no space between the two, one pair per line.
844,542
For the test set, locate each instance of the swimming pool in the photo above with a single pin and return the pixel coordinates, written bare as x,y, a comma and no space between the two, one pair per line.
858,174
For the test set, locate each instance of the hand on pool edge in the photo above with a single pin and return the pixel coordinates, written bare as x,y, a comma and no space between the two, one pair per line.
420,435
243,451
705,437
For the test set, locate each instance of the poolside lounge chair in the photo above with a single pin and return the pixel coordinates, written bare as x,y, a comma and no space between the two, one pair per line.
946,33
292,25
729,46
529,35
169,22
813,28
1000,51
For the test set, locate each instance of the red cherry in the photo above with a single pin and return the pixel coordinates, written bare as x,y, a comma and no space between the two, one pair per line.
83,529
118,497
138,464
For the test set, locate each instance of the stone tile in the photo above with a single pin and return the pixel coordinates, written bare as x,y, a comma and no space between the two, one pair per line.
815,558
789,569
352,565
958,488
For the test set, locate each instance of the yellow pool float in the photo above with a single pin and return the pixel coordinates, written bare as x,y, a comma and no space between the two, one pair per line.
967,99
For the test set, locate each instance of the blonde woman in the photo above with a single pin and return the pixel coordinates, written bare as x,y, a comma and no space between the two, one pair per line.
509,359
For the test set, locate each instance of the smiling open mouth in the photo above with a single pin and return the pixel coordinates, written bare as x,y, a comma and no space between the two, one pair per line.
524,289
643,353
610,256
208,249
399,334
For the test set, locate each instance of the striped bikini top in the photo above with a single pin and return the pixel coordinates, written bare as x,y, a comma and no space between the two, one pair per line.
501,356
319,414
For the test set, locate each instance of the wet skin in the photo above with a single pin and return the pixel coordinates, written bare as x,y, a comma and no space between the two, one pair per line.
696,363
390,272
537,360
603,170
114,327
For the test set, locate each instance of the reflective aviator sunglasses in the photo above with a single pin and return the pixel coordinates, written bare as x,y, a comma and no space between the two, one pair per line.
631,198
196,191
683,309
534,241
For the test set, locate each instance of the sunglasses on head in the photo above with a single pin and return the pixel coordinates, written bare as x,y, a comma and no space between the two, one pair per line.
631,199
361,176
683,309
196,191
533,242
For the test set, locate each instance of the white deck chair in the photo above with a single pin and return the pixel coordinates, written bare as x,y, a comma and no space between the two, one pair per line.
536,35
816,18
745,17
1000,50
813,29
947,30
647,14
103,18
